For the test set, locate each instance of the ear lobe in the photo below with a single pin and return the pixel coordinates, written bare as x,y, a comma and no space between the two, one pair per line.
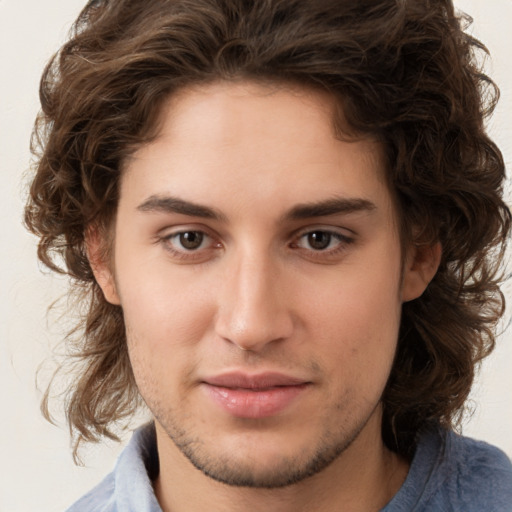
100,266
420,268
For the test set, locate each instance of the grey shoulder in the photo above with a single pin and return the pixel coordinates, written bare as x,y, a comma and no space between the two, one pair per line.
481,457
482,475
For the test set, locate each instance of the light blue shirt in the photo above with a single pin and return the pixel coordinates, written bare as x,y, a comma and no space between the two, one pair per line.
449,473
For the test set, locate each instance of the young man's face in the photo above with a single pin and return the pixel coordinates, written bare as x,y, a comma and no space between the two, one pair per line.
258,265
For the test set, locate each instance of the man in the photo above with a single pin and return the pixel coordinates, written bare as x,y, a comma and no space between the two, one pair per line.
287,220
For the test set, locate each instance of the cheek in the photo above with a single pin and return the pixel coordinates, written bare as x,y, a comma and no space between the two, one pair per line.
163,325
357,320
165,316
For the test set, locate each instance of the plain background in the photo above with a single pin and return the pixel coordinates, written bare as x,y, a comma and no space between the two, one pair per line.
36,468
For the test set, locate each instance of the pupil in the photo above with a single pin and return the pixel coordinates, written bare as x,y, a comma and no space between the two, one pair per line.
319,240
191,239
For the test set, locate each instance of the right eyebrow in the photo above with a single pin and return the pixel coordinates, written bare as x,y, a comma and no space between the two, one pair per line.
329,207
170,204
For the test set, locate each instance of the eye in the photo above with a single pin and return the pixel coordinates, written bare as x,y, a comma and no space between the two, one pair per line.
188,243
322,240
189,240
318,240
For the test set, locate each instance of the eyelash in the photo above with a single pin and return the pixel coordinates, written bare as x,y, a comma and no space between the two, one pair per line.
324,254
193,255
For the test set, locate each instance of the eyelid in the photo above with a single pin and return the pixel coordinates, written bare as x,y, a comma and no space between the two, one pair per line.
334,230
172,230
334,234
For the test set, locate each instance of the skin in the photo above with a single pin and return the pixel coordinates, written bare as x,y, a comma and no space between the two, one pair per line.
261,293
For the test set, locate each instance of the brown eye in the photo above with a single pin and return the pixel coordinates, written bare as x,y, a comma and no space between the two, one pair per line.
187,241
191,240
319,240
323,242
191,246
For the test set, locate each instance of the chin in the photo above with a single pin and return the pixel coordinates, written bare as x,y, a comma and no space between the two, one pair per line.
262,463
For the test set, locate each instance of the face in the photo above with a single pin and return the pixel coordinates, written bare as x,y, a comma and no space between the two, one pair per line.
259,269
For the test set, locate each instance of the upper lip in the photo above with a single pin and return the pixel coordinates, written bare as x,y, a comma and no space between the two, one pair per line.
255,381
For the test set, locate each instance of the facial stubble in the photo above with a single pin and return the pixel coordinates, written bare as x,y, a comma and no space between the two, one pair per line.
281,472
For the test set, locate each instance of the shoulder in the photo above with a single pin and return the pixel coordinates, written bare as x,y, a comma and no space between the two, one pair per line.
452,473
481,474
469,475
99,499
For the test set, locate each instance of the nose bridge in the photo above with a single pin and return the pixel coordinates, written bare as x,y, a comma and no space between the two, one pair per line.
254,309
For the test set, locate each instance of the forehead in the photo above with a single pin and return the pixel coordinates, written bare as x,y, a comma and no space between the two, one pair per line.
254,144
228,109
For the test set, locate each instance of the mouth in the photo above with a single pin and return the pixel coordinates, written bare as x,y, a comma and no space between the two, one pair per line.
254,396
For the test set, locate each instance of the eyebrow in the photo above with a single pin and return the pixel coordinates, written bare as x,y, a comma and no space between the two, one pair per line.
335,206
169,204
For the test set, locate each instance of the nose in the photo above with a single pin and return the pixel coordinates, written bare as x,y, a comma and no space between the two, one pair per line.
255,305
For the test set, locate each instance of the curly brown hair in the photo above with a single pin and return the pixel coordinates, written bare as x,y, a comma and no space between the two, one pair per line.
403,71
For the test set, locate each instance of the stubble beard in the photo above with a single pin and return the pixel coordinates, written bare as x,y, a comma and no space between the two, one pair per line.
285,470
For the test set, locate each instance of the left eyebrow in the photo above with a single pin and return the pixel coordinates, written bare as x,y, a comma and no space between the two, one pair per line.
169,204
329,207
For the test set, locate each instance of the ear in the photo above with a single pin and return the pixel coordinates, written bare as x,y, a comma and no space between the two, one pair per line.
421,266
101,267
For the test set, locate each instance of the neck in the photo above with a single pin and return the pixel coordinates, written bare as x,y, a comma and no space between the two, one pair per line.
363,478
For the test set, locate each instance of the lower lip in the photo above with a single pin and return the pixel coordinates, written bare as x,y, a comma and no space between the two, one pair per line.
244,403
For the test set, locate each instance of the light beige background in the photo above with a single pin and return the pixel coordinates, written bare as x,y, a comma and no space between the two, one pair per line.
36,469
